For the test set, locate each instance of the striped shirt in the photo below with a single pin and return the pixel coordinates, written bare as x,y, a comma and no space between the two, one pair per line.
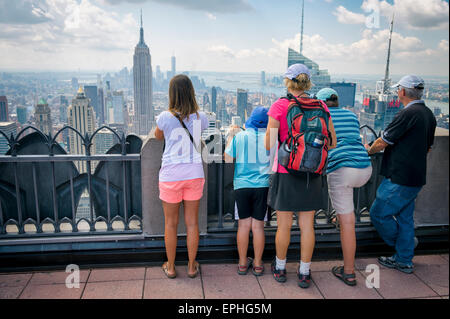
350,151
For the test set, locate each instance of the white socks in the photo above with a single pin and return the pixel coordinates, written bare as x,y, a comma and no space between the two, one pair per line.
304,268
281,264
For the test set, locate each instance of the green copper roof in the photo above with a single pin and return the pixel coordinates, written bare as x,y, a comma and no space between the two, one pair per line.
42,101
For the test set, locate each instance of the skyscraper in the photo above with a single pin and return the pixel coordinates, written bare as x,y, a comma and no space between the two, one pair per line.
80,116
346,92
320,78
118,105
42,117
142,81
4,117
101,104
21,114
242,101
92,94
174,65
63,105
214,99
263,78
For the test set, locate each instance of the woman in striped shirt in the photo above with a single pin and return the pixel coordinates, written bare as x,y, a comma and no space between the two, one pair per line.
349,167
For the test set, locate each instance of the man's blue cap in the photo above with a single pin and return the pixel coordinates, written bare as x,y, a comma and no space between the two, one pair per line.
258,119
325,94
295,70
410,82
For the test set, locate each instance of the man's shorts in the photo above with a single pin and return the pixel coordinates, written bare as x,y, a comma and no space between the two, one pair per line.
252,202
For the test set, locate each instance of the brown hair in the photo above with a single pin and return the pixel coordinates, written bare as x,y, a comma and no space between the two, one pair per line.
182,96
302,83
333,101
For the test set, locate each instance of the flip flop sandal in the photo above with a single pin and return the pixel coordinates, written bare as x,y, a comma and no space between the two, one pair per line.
165,268
258,271
197,271
339,273
243,270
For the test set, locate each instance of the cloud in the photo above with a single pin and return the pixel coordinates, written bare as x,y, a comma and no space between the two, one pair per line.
211,16
348,17
411,14
211,6
24,12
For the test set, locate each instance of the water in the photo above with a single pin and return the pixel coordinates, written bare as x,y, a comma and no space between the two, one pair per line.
444,106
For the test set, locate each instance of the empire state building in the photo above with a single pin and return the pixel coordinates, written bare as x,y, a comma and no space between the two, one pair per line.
142,81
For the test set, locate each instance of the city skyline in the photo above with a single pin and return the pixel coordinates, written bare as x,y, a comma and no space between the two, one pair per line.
223,37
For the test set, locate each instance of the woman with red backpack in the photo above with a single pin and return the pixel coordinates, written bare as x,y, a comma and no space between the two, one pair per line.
305,132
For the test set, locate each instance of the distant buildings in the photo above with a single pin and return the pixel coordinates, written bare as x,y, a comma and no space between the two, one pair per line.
213,100
346,92
263,78
174,66
42,117
22,114
104,140
4,116
74,83
142,82
91,92
242,103
81,117
8,128
63,105
118,107
236,120
101,104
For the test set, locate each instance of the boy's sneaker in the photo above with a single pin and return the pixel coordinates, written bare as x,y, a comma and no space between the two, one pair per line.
390,262
278,275
304,281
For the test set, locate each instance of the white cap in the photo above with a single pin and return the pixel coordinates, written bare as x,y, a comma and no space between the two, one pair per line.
410,82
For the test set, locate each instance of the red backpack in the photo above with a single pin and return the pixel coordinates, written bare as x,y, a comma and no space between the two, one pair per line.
306,147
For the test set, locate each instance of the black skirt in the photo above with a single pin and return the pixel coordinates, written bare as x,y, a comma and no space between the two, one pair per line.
291,193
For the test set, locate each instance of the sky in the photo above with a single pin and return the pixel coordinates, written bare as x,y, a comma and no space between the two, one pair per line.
343,36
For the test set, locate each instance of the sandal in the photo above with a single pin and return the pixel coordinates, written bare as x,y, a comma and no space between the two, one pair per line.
339,273
243,270
165,268
197,271
258,271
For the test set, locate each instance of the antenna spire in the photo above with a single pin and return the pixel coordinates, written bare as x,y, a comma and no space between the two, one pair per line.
301,33
141,19
387,81
141,37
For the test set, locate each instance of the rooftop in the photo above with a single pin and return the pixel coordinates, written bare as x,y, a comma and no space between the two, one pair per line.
220,281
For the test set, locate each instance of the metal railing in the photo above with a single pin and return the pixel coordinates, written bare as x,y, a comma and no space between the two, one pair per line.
221,208
41,189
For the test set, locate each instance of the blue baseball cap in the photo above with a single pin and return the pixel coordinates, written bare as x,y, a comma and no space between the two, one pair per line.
325,94
258,119
410,82
295,70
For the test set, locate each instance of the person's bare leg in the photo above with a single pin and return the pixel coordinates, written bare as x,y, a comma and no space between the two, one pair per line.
283,236
348,241
191,220
306,223
258,241
244,226
171,216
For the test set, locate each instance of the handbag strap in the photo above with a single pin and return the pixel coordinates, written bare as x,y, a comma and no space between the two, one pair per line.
186,129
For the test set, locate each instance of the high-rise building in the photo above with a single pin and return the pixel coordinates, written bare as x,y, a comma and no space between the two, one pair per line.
320,78
242,104
118,105
142,80
174,66
8,128
346,92
236,120
81,117
104,140
21,114
101,104
42,117
74,83
63,105
91,92
206,105
214,99
4,114
263,78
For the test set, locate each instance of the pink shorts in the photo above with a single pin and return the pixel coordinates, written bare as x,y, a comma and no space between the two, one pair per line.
176,192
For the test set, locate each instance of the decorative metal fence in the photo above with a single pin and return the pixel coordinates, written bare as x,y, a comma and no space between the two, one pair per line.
43,192
221,202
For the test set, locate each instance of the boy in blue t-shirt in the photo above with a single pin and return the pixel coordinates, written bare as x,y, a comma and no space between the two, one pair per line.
251,185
